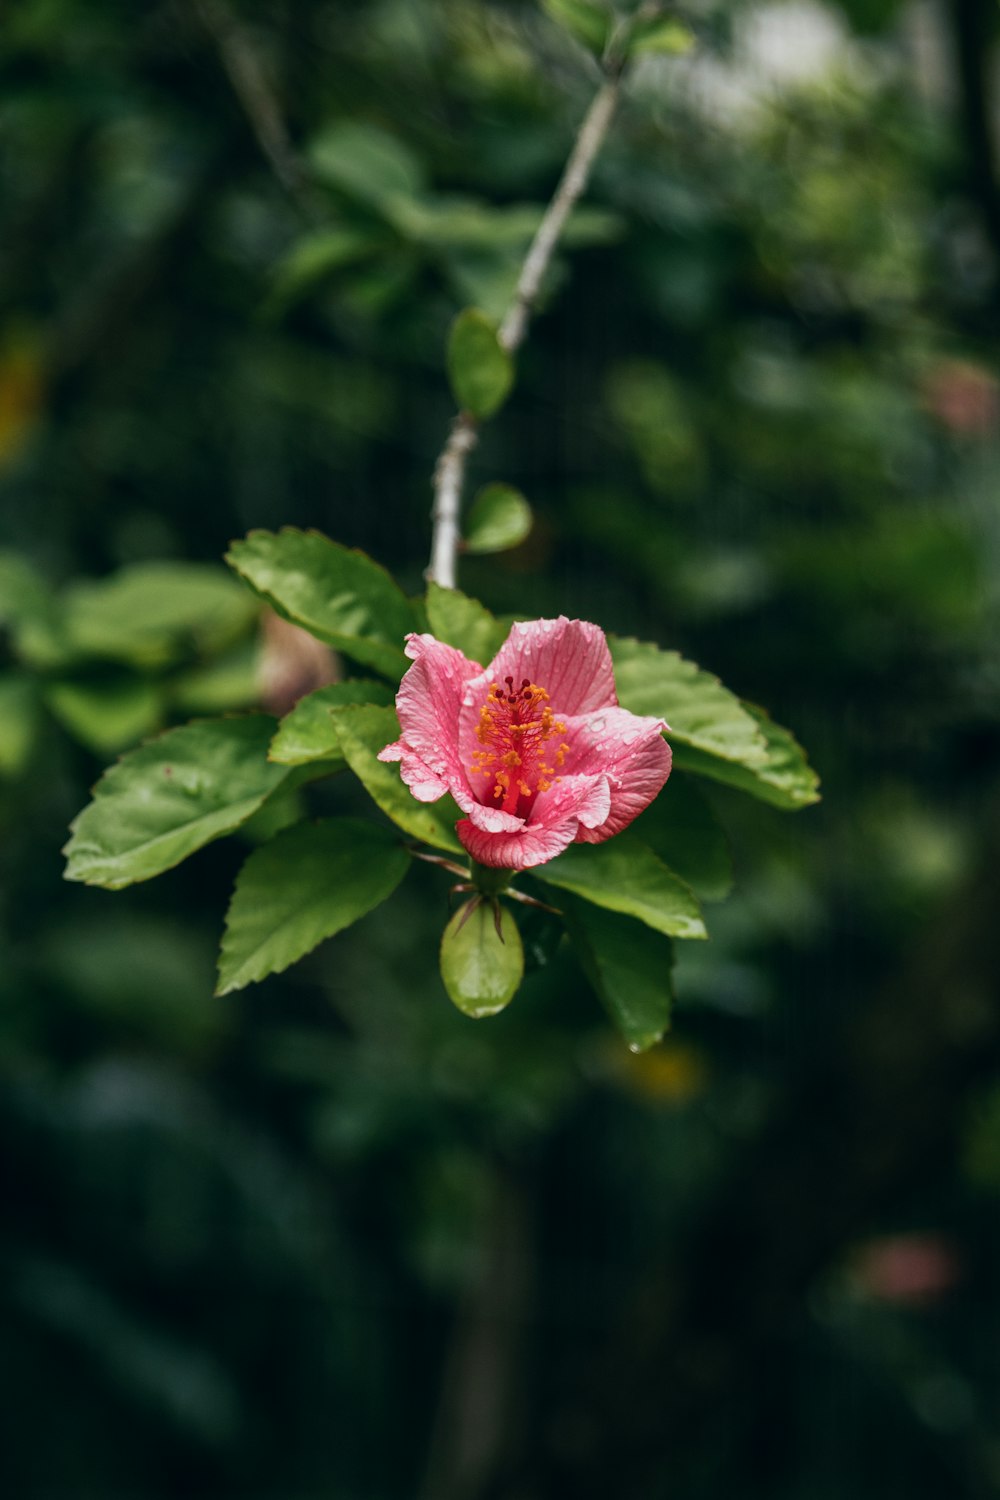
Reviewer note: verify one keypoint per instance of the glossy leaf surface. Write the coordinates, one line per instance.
(624, 875)
(629, 966)
(363, 732)
(309, 731)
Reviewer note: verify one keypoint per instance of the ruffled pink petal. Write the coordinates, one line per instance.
(493, 819)
(568, 658)
(555, 818)
(428, 704)
(631, 752)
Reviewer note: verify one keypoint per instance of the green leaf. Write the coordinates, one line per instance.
(499, 518)
(229, 682)
(785, 780)
(480, 370)
(107, 714)
(662, 36)
(629, 966)
(363, 732)
(309, 731)
(307, 884)
(625, 875)
(464, 623)
(23, 594)
(317, 256)
(587, 21)
(150, 614)
(481, 971)
(699, 710)
(680, 826)
(338, 595)
(365, 163)
(166, 799)
(19, 722)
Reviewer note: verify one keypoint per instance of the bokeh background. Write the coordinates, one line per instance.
(327, 1238)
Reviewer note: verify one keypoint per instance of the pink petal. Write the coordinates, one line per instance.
(631, 752)
(493, 819)
(428, 704)
(568, 658)
(424, 783)
(555, 819)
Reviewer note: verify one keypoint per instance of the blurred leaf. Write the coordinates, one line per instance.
(109, 713)
(363, 732)
(171, 796)
(340, 596)
(23, 593)
(464, 623)
(366, 163)
(309, 731)
(19, 722)
(680, 826)
(629, 966)
(480, 371)
(481, 971)
(499, 518)
(786, 779)
(150, 613)
(316, 256)
(661, 36)
(588, 22)
(698, 709)
(308, 883)
(221, 686)
(624, 875)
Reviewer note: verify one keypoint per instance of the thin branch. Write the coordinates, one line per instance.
(449, 471)
(252, 88)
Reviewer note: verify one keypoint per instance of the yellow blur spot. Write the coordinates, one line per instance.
(22, 392)
(672, 1073)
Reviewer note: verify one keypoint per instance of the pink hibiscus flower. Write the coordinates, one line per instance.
(535, 750)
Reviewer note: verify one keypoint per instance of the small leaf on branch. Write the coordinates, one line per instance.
(624, 875)
(363, 732)
(586, 20)
(481, 372)
(340, 596)
(309, 731)
(310, 882)
(629, 966)
(464, 623)
(481, 970)
(171, 796)
(499, 518)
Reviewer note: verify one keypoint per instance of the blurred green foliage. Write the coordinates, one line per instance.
(329, 1237)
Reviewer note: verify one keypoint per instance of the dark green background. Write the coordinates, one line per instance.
(327, 1238)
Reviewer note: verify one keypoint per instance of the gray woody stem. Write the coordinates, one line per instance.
(449, 472)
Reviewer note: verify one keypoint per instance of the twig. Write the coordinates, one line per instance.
(449, 471)
(253, 89)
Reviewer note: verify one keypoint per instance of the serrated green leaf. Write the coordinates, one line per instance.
(481, 972)
(107, 714)
(169, 797)
(499, 518)
(630, 967)
(481, 372)
(672, 38)
(366, 163)
(680, 826)
(19, 722)
(309, 731)
(588, 22)
(151, 614)
(700, 711)
(340, 596)
(363, 732)
(785, 780)
(464, 623)
(310, 882)
(624, 875)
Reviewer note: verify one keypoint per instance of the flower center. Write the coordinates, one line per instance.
(514, 729)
